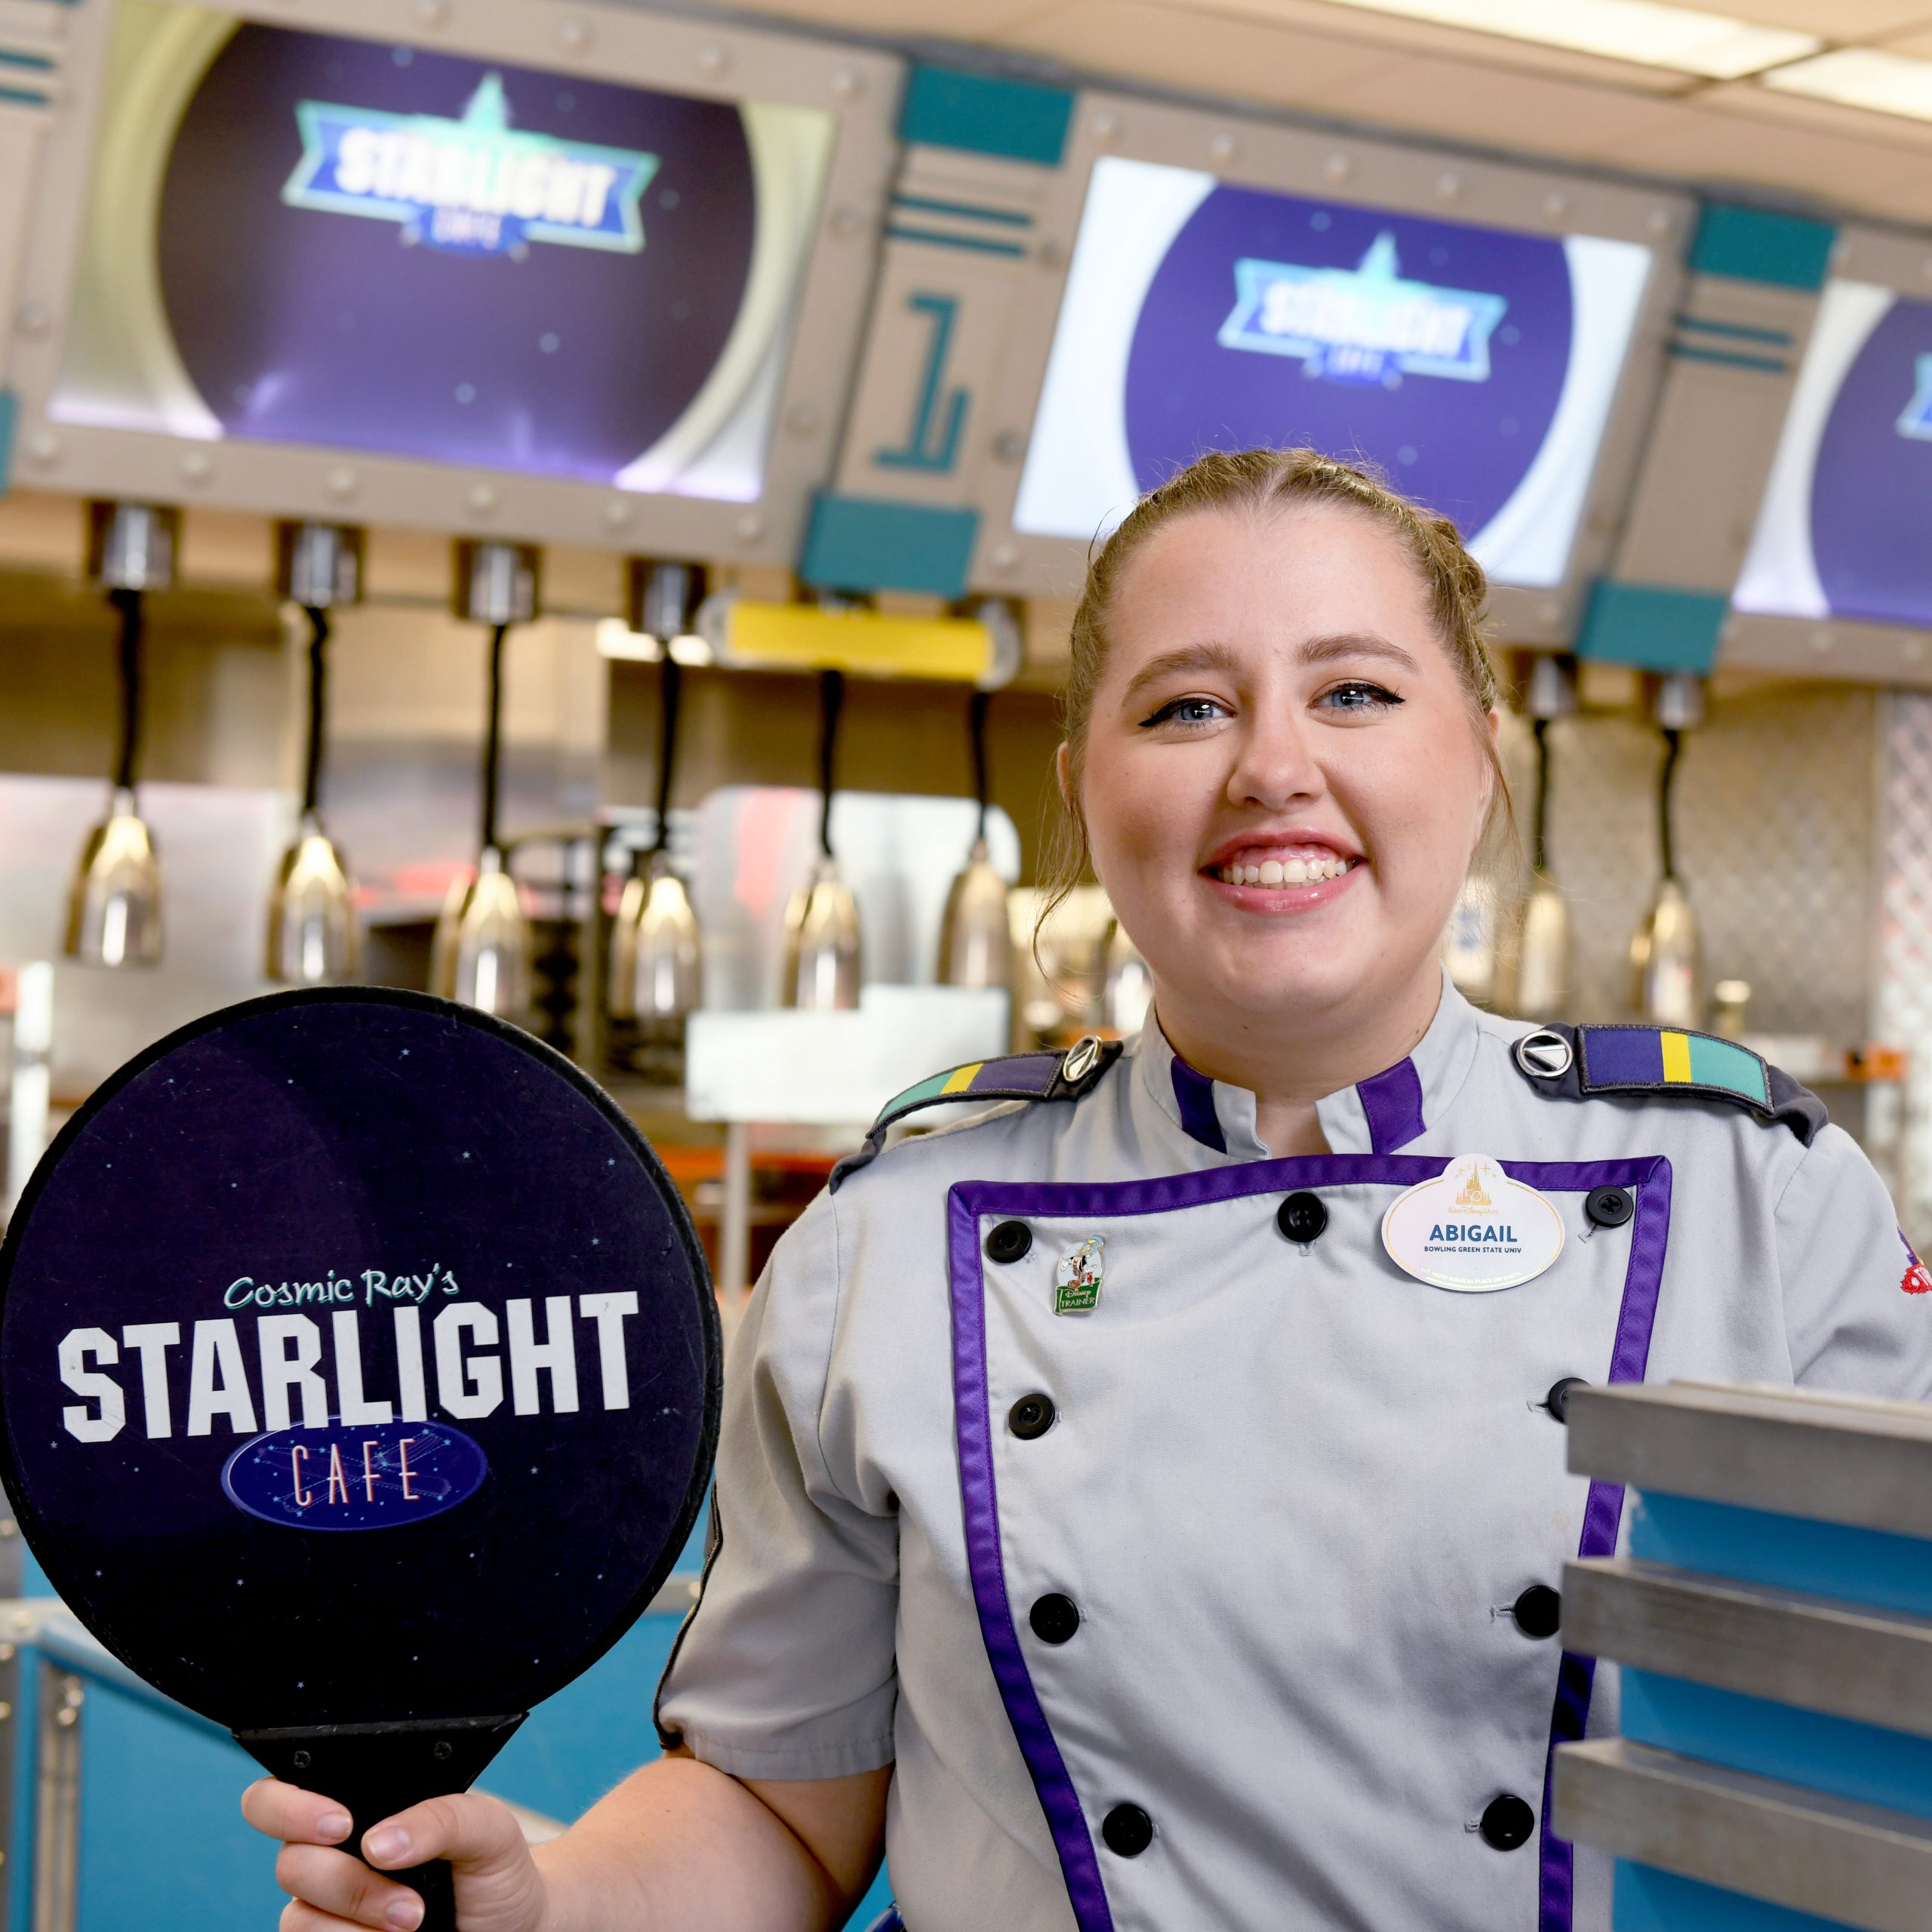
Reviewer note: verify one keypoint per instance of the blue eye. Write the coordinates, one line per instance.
(1187, 711)
(1358, 695)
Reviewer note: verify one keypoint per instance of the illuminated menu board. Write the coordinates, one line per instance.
(1477, 367)
(300, 238)
(1842, 531)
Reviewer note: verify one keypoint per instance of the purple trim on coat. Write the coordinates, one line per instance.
(1392, 1102)
(1194, 1094)
(1603, 1513)
(973, 1423)
(968, 1201)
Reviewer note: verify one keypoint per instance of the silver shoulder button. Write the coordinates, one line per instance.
(1080, 1059)
(1545, 1055)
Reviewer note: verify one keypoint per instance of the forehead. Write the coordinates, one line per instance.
(1273, 578)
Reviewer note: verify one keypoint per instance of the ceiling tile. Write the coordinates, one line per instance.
(1137, 40)
(1833, 20)
(1825, 117)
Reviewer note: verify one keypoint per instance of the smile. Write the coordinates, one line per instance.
(1285, 871)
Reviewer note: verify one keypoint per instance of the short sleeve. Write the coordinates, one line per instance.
(1857, 1311)
(785, 1669)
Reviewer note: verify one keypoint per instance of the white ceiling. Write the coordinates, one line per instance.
(1379, 70)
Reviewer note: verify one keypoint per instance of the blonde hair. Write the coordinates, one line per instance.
(1256, 480)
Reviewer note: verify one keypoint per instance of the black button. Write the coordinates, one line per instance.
(1507, 1822)
(1009, 1241)
(1054, 1618)
(1302, 1216)
(1128, 1830)
(1539, 1611)
(1609, 1207)
(1031, 1415)
(1557, 1401)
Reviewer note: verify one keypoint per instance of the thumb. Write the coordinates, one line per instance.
(498, 1888)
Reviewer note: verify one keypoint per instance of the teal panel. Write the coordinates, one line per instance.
(1648, 1900)
(1757, 244)
(946, 107)
(1788, 1552)
(1653, 626)
(1862, 1762)
(163, 1846)
(9, 410)
(860, 543)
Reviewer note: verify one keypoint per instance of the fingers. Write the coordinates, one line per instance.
(332, 1888)
(300, 1916)
(474, 1833)
(288, 1812)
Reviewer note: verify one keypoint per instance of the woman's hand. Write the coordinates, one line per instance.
(498, 1887)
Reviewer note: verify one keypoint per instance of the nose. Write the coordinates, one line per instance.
(1275, 768)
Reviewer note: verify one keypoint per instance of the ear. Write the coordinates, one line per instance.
(1063, 775)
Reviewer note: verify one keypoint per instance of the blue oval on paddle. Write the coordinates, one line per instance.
(364, 1476)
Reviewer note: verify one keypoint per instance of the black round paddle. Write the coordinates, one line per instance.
(360, 1376)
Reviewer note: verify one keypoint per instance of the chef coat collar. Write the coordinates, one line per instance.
(1390, 1110)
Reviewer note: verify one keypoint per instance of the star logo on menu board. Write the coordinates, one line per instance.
(476, 185)
(1369, 323)
(1915, 419)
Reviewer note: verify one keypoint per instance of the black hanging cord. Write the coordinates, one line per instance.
(831, 699)
(127, 757)
(1539, 822)
(492, 734)
(312, 768)
(976, 726)
(1673, 743)
(670, 688)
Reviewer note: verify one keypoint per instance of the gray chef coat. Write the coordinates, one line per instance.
(1290, 1492)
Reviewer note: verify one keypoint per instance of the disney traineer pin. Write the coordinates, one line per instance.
(1077, 1279)
(360, 1381)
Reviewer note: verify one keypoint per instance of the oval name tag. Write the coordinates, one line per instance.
(1473, 1228)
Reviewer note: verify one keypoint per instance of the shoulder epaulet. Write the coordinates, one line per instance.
(1574, 1062)
(1044, 1076)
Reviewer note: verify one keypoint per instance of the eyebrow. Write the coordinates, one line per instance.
(1222, 657)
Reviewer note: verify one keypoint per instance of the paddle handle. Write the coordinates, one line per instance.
(436, 1882)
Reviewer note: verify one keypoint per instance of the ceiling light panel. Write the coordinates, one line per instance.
(1685, 39)
(1865, 77)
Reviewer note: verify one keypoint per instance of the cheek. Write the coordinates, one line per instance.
(1420, 803)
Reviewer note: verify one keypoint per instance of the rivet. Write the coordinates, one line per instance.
(1104, 126)
(1050, 255)
(802, 418)
(1661, 221)
(1556, 206)
(617, 513)
(713, 58)
(1448, 185)
(1913, 650)
(300, 1759)
(342, 481)
(442, 1750)
(848, 84)
(1004, 556)
(482, 498)
(432, 13)
(750, 528)
(573, 36)
(195, 467)
(1337, 168)
(1823, 642)
(1224, 148)
(846, 222)
(1009, 446)
(35, 318)
(44, 446)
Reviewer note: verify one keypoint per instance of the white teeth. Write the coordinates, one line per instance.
(1285, 871)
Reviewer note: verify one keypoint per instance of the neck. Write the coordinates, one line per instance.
(1290, 1061)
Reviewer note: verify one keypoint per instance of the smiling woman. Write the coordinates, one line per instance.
(1142, 1505)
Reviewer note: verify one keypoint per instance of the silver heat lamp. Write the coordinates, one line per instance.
(1666, 955)
(481, 953)
(114, 903)
(975, 936)
(654, 978)
(822, 956)
(314, 938)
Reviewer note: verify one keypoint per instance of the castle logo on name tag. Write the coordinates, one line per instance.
(1473, 1228)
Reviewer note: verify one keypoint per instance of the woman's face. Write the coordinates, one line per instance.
(1282, 786)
